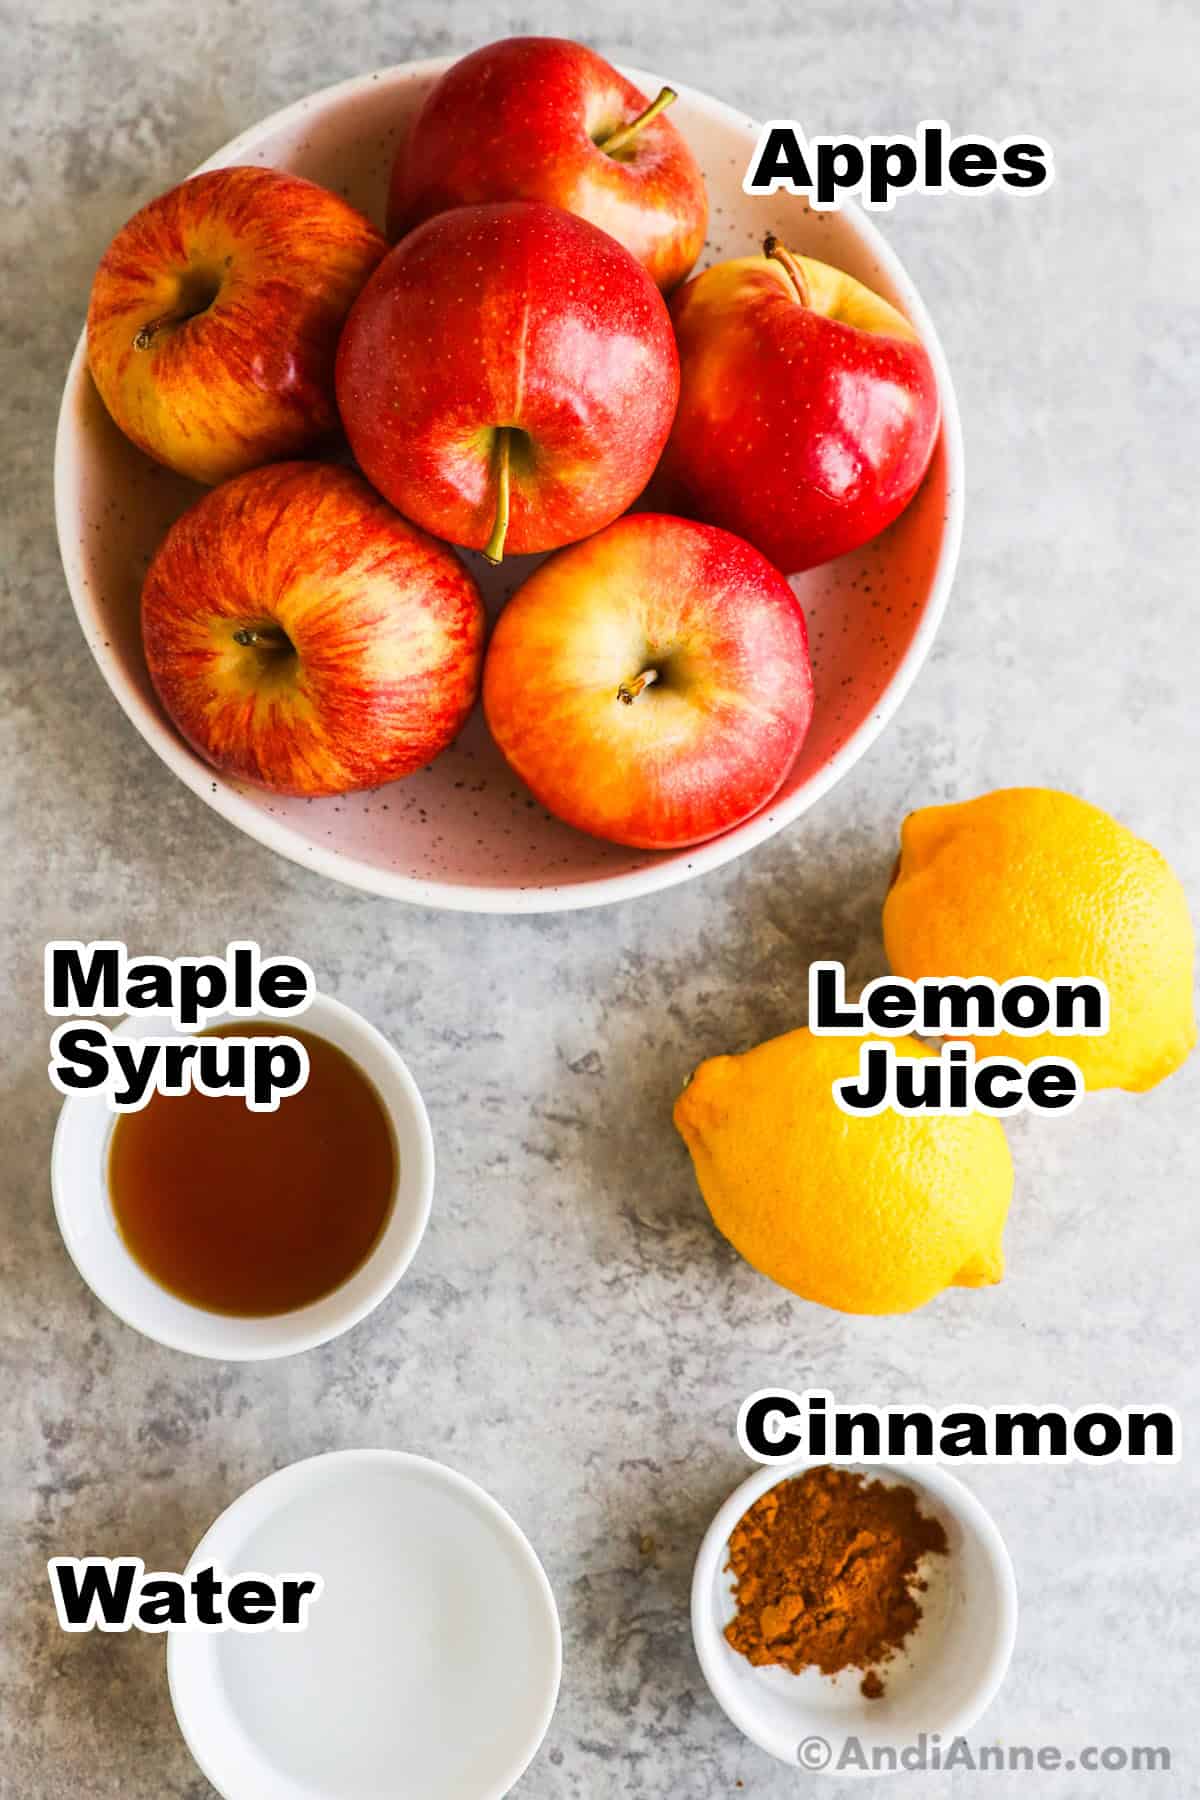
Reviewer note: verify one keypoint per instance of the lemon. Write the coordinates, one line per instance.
(1032, 882)
(868, 1215)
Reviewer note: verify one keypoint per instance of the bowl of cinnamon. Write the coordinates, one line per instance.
(843, 1613)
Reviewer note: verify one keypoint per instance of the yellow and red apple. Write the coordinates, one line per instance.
(215, 315)
(508, 377)
(808, 407)
(540, 118)
(302, 635)
(652, 684)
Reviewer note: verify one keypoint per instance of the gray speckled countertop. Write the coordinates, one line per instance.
(573, 1333)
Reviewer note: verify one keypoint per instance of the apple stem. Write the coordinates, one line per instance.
(494, 548)
(149, 331)
(782, 255)
(628, 691)
(262, 637)
(625, 134)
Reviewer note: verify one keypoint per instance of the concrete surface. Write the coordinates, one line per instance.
(573, 1333)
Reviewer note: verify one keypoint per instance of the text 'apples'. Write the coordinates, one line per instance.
(302, 635)
(540, 118)
(508, 377)
(215, 315)
(651, 685)
(808, 408)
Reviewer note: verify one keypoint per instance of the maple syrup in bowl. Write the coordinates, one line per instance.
(245, 1235)
(255, 1213)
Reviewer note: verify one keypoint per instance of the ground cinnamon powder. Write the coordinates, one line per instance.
(826, 1573)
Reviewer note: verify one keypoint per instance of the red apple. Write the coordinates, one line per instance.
(808, 407)
(303, 636)
(215, 315)
(508, 377)
(539, 118)
(651, 685)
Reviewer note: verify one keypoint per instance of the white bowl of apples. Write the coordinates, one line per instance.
(621, 747)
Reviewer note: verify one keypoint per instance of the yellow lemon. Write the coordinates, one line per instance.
(1032, 882)
(868, 1215)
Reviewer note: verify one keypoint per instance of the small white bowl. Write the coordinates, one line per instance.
(465, 834)
(82, 1205)
(942, 1680)
(430, 1663)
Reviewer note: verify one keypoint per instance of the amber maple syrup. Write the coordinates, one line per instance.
(257, 1213)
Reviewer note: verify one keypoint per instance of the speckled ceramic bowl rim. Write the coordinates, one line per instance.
(600, 890)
